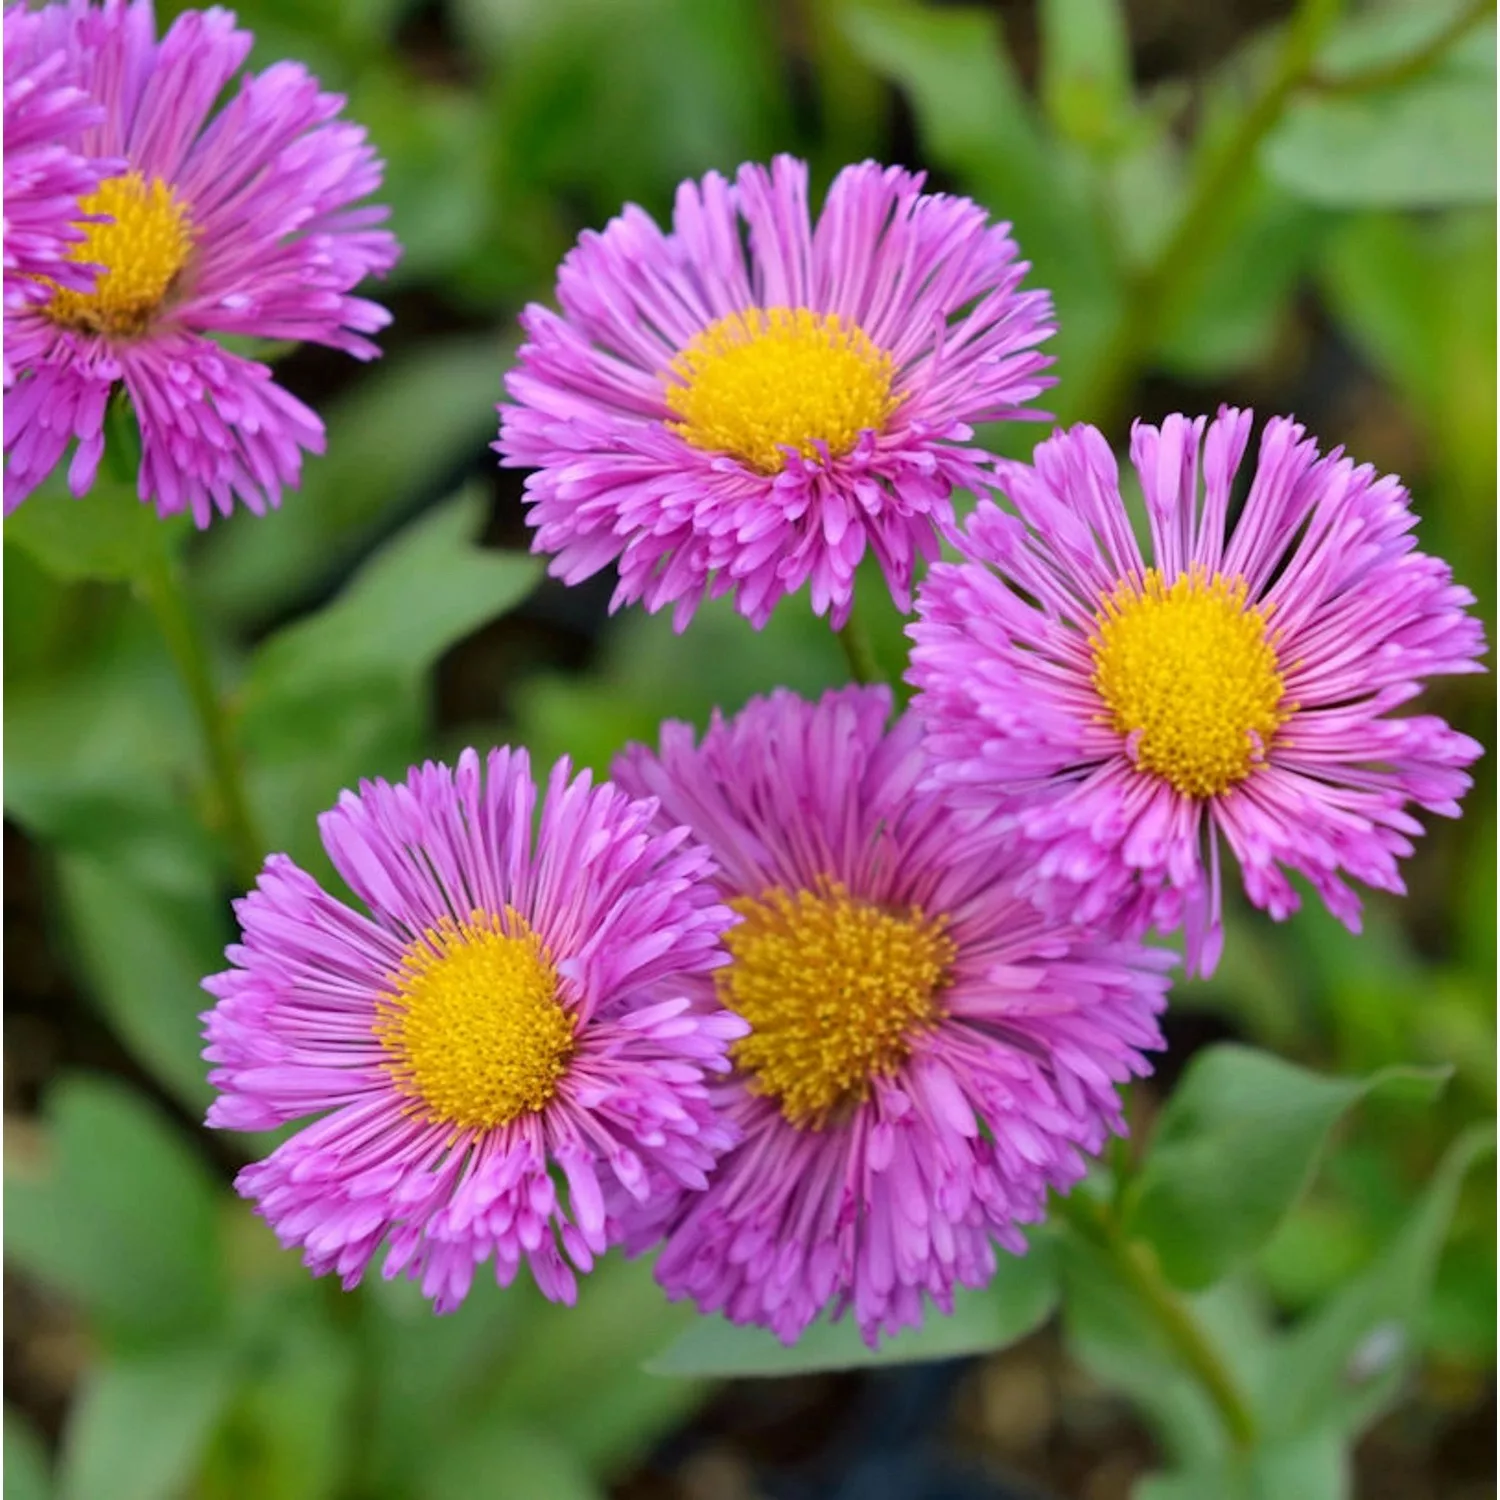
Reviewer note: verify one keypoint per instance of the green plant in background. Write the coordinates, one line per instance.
(1256, 1274)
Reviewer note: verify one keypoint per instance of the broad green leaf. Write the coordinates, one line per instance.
(111, 728)
(575, 1373)
(122, 1217)
(1018, 1301)
(400, 435)
(420, 593)
(139, 1425)
(1344, 1363)
(144, 947)
(1314, 1467)
(27, 1476)
(504, 1460)
(1429, 143)
(1232, 1151)
(107, 534)
(1085, 83)
(291, 1428)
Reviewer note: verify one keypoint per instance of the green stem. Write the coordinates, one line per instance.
(860, 651)
(1162, 285)
(1403, 69)
(161, 584)
(1171, 1314)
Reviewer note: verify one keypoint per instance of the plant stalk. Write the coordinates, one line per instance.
(160, 582)
(1171, 1314)
(860, 650)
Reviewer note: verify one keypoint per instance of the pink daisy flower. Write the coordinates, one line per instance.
(239, 224)
(1126, 714)
(513, 1013)
(928, 1053)
(45, 172)
(750, 402)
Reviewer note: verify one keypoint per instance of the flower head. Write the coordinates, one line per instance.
(1125, 713)
(46, 173)
(750, 402)
(928, 1052)
(510, 1009)
(240, 224)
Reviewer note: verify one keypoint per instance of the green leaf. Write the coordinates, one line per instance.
(144, 948)
(107, 534)
(426, 589)
(1427, 143)
(139, 1426)
(1019, 1300)
(1314, 1467)
(1233, 1149)
(1085, 83)
(27, 1476)
(290, 1430)
(1343, 1364)
(575, 1373)
(399, 432)
(506, 1461)
(124, 1219)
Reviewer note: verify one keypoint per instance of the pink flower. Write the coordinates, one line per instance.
(927, 1052)
(750, 402)
(517, 1010)
(1125, 716)
(240, 224)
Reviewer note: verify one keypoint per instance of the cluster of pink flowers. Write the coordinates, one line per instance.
(822, 1003)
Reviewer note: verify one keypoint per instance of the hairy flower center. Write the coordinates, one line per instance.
(833, 989)
(759, 382)
(473, 1031)
(142, 246)
(1191, 673)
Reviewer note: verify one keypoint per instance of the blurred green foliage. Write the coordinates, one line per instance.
(1327, 187)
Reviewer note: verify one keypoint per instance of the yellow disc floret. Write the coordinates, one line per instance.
(833, 988)
(759, 382)
(1189, 670)
(142, 245)
(473, 1030)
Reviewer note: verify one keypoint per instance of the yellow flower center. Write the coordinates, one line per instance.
(759, 382)
(833, 988)
(1191, 670)
(474, 1033)
(142, 247)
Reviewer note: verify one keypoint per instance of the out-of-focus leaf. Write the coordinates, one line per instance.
(123, 1219)
(144, 948)
(26, 1473)
(405, 431)
(111, 726)
(139, 1425)
(1233, 1149)
(506, 1461)
(1344, 1363)
(1232, 312)
(1085, 84)
(422, 592)
(290, 1428)
(976, 121)
(1017, 1301)
(1114, 1336)
(36, 613)
(1314, 1467)
(1425, 143)
(107, 534)
(576, 1373)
